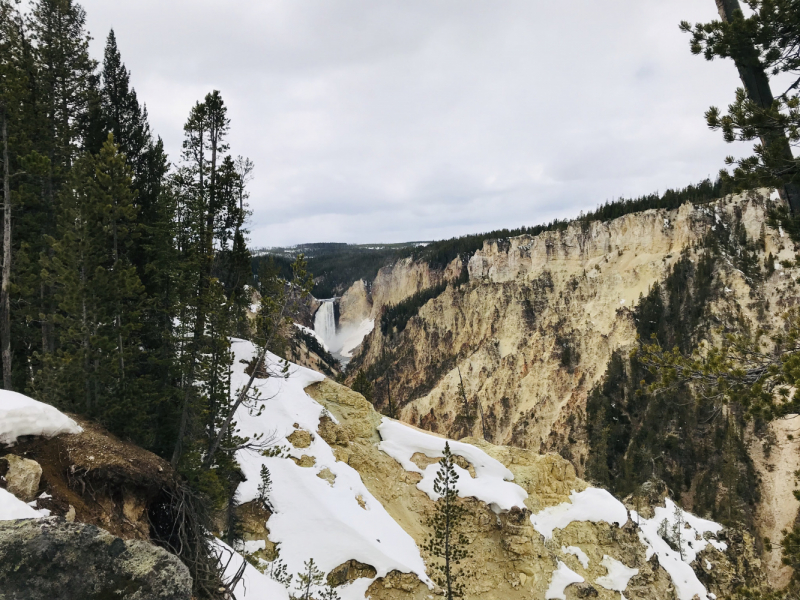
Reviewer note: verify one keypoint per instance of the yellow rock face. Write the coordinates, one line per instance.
(509, 559)
(533, 330)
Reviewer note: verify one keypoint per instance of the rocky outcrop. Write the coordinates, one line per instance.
(22, 477)
(50, 558)
(355, 305)
(393, 284)
(510, 559)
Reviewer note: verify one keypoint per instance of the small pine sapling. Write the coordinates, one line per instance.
(309, 577)
(277, 569)
(264, 489)
(677, 530)
(447, 542)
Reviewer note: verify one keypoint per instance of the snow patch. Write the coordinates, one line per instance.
(693, 542)
(253, 585)
(562, 577)
(314, 334)
(314, 518)
(492, 482)
(20, 415)
(12, 508)
(618, 575)
(592, 504)
(584, 560)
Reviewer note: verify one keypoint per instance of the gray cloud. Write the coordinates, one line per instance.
(399, 120)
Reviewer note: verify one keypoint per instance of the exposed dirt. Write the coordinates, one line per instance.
(109, 482)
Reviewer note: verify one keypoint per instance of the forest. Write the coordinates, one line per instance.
(126, 272)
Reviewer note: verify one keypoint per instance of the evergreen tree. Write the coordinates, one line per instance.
(447, 542)
(61, 83)
(309, 578)
(330, 593)
(264, 488)
(363, 385)
(12, 99)
(121, 111)
(98, 296)
(761, 45)
(199, 210)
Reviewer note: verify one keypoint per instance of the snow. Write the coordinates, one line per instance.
(12, 508)
(253, 585)
(680, 569)
(618, 574)
(20, 415)
(492, 483)
(562, 577)
(584, 560)
(314, 334)
(313, 518)
(592, 504)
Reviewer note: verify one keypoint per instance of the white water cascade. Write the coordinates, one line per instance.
(325, 323)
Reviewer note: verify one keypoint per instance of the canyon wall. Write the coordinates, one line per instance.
(533, 330)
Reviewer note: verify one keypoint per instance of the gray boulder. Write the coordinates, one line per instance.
(50, 559)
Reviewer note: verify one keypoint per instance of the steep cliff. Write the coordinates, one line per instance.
(533, 330)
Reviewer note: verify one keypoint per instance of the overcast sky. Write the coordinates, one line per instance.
(397, 120)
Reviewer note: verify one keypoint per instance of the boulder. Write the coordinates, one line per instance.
(22, 477)
(51, 558)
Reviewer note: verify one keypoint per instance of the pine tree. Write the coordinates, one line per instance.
(447, 542)
(199, 210)
(277, 569)
(308, 578)
(98, 296)
(363, 385)
(12, 98)
(330, 593)
(761, 45)
(264, 488)
(121, 110)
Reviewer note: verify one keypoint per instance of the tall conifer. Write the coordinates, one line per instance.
(447, 541)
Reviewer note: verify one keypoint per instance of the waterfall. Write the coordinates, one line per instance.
(325, 323)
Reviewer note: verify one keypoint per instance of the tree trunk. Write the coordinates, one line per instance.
(5, 303)
(447, 543)
(756, 84)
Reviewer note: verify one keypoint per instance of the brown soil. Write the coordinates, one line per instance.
(109, 482)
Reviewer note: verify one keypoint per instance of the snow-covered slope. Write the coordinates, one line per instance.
(315, 518)
(325, 511)
(492, 482)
